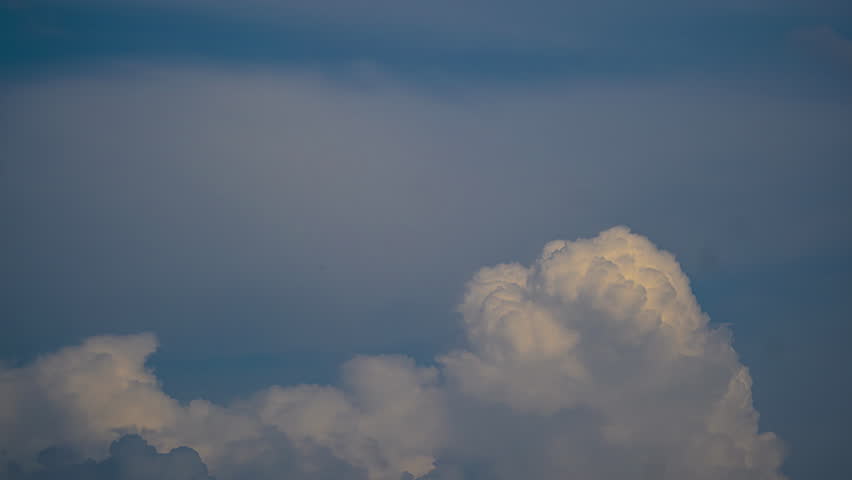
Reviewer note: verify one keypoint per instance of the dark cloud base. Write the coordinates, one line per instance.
(131, 458)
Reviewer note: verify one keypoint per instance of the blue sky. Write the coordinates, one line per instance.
(274, 188)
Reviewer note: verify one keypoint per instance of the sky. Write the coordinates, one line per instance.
(440, 240)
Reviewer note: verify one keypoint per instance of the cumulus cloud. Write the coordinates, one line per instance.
(83, 396)
(601, 344)
(594, 362)
(86, 396)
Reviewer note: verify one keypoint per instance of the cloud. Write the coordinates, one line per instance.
(82, 396)
(192, 195)
(497, 24)
(595, 361)
(86, 396)
(130, 458)
(612, 368)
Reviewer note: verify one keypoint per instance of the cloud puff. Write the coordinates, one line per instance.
(595, 362)
(83, 396)
(602, 344)
(574, 325)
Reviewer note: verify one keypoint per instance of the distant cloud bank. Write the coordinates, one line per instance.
(594, 362)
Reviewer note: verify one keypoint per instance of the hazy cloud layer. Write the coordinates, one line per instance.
(578, 25)
(594, 361)
(155, 198)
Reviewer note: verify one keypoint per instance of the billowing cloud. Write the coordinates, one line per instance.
(83, 396)
(602, 345)
(86, 396)
(594, 362)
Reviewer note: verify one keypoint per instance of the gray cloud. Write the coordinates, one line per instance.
(130, 458)
(151, 198)
(594, 361)
(578, 25)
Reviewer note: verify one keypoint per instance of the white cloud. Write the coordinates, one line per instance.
(386, 420)
(609, 327)
(595, 361)
(83, 396)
